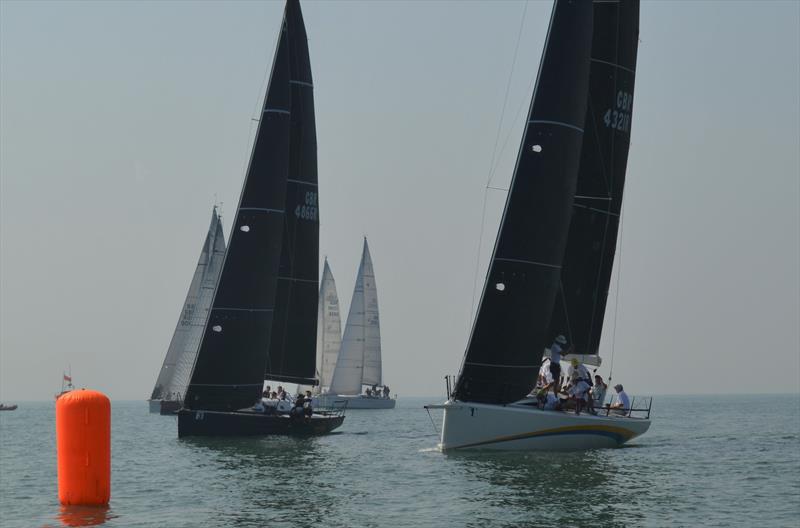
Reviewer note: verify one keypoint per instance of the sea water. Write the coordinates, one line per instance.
(707, 460)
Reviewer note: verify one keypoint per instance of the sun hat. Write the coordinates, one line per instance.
(574, 362)
(561, 340)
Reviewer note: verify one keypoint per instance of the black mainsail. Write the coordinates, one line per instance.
(589, 257)
(294, 324)
(236, 347)
(511, 326)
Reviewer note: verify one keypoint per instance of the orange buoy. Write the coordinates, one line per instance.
(83, 445)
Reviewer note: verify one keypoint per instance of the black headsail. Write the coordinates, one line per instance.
(292, 349)
(511, 327)
(589, 257)
(231, 361)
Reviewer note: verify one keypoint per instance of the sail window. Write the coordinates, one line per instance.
(217, 328)
(536, 148)
(500, 286)
(245, 228)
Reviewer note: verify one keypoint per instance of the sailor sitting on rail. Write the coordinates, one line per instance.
(580, 381)
(623, 403)
(598, 392)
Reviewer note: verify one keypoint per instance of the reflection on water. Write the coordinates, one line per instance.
(84, 515)
(278, 471)
(563, 488)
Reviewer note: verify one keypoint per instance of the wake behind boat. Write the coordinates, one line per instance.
(262, 323)
(551, 265)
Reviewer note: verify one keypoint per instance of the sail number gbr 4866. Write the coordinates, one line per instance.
(619, 118)
(308, 210)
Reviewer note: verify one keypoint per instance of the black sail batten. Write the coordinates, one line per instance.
(511, 325)
(293, 341)
(589, 256)
(228, 371)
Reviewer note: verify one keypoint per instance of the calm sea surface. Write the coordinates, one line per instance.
(707, 460)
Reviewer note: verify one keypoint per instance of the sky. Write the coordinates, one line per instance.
(121, 124)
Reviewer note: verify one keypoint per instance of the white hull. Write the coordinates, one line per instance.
(522, 427)
(328, 400)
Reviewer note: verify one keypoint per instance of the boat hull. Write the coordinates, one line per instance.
(8, 407)
(164, 407)
(331, 401)
(521, 427)
(242, 423)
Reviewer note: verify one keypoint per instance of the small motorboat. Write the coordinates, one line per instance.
(4, 407)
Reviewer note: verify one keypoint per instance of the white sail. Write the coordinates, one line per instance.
(177, 367)
(359, 358)
(372, 325)
(329, 328)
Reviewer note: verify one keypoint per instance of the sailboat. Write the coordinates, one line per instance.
(359, 360)
(553, 256)
(174, 374)
(66, 383)
(262, 323)
(329, 329)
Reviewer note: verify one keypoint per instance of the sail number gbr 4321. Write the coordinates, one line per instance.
(619, 118)
(308, 210)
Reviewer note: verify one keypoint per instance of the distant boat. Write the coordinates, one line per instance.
(177, 367)
(359, 360)
(329, 329)
(66, 383)
(552, 261)
(263, 319)
(4, 407)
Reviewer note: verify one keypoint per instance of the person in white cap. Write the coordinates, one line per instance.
(623, 403)
(555, 362)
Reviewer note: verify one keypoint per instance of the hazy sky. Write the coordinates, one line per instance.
(121, 122)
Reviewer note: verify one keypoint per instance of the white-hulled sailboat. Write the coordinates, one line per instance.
(177, 367)
(359, 360)
(553, 257)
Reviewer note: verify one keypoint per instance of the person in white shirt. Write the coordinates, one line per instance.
(623, 403)
(599, 391)
(579, 379)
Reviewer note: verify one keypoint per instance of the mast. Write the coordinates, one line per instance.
(589, 257)
(511, 326)
(232, 358)
(174, 374)
(329, 327)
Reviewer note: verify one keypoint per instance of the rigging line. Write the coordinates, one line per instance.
(505, 98)
(622, 205)
(432, 422)
(616, 296)
(492, 164)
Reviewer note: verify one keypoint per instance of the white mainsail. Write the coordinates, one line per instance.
(174, 376)
(329, 328)
(359, 360)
